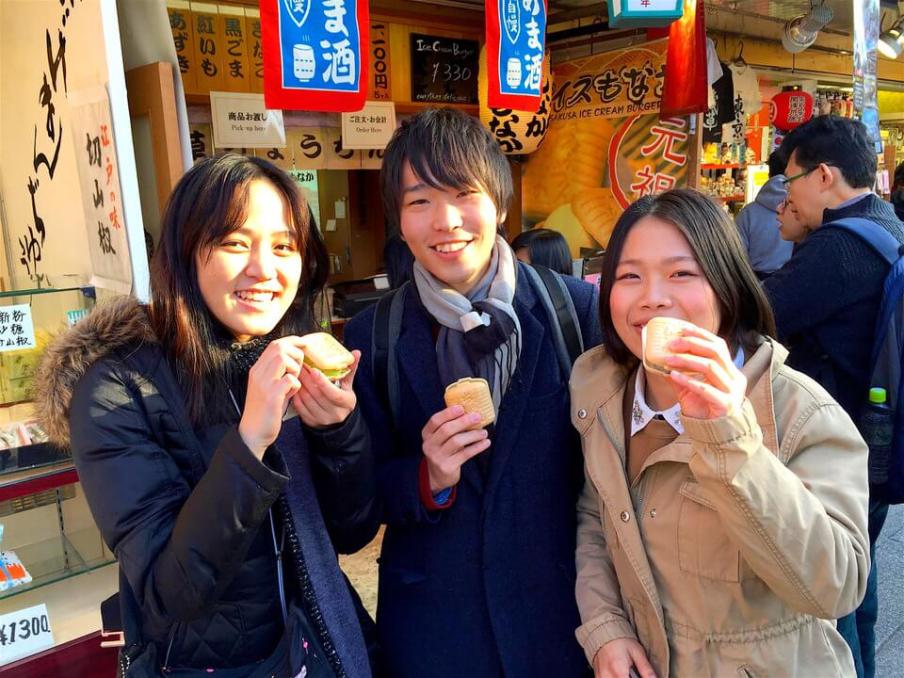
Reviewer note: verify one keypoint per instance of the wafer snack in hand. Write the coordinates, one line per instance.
(655, 338)
(474, 396)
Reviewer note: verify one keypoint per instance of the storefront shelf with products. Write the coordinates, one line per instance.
(720, 166)
(61, 557)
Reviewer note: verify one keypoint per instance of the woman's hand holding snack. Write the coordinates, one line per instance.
(272, 382)
(706, 381)
(616, 658)
(320, 402)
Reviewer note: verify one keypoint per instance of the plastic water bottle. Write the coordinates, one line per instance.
(878, 426)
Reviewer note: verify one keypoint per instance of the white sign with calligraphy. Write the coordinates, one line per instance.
(95, 146)
(17, 329)
(243, 121)
(371, 127)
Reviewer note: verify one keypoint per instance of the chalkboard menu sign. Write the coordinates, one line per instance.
(443, 70)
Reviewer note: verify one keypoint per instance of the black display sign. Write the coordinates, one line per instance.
(444, 70)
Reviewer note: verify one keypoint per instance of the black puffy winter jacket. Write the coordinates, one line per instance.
(186, 511)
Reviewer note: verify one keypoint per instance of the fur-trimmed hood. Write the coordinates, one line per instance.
(110, 326)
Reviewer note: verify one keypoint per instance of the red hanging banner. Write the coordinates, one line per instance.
(516, 39)
(685, 87)
(315, 54)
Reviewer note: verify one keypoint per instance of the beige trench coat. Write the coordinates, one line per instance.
(739, 543)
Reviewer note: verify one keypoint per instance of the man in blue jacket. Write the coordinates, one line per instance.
(758, 222)
(826, 298)
(477, 570)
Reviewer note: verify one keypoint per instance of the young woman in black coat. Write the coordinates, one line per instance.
(222, 473)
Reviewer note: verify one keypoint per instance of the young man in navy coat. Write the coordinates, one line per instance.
(477, 570)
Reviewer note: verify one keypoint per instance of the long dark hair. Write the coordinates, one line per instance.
(714, 240)
(209, 202)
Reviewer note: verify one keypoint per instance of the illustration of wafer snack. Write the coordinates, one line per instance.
(474, 396)
(597, 210)
(572, 159)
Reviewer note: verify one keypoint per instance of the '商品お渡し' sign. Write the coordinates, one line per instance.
(315, 54)
(516, 38)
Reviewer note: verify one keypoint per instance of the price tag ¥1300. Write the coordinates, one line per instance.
(24, 632)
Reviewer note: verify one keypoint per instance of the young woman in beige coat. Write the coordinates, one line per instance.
(722, 527)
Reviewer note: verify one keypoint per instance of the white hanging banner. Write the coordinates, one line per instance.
(92, 132)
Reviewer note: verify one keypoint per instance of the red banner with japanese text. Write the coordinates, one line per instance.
(315, 54)
(605, 146)
(515, 44)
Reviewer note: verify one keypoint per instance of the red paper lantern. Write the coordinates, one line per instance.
(788, 110)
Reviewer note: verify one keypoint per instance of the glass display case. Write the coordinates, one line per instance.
(51, 552)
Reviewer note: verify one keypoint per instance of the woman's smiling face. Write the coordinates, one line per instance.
(658, 275)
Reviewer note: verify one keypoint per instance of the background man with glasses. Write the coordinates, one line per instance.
(827, 296)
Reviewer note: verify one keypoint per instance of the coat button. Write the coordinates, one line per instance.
(652, 513)
(625, 516)
(582, 414)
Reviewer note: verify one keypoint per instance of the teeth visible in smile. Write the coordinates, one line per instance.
(248, 295)
(449, 247)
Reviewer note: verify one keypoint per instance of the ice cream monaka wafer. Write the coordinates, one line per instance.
(474, 396)
(655, 338)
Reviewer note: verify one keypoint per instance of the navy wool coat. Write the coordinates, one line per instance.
(485, 588)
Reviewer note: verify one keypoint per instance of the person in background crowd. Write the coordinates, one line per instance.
(477, 567)
(398, 260)
(827, 296)
(758, 222)
(789, 228)
(897, 191)
(545, 247)
(222, 511)
(722, 526)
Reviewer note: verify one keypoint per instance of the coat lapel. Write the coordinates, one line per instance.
(419, 366)
(511, 410)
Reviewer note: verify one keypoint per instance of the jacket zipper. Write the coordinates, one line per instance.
(309, 598)
(169, 647)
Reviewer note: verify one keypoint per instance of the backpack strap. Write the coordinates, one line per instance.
(386, 328)
(563, 318)
(881, 241)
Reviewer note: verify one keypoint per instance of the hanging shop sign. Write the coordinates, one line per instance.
(209, 46)
(610, 85)
(788, 110)
(315, 54)
(443, 70)
(371, 127)
(183, 38)
(101, 195)
(867, 18)
(236, 66)
(598, 158)
(243, 121)
(379, 88)
(643, 13)
(516, 131)
(516, 38)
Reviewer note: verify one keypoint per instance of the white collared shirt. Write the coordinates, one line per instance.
(642, 414)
